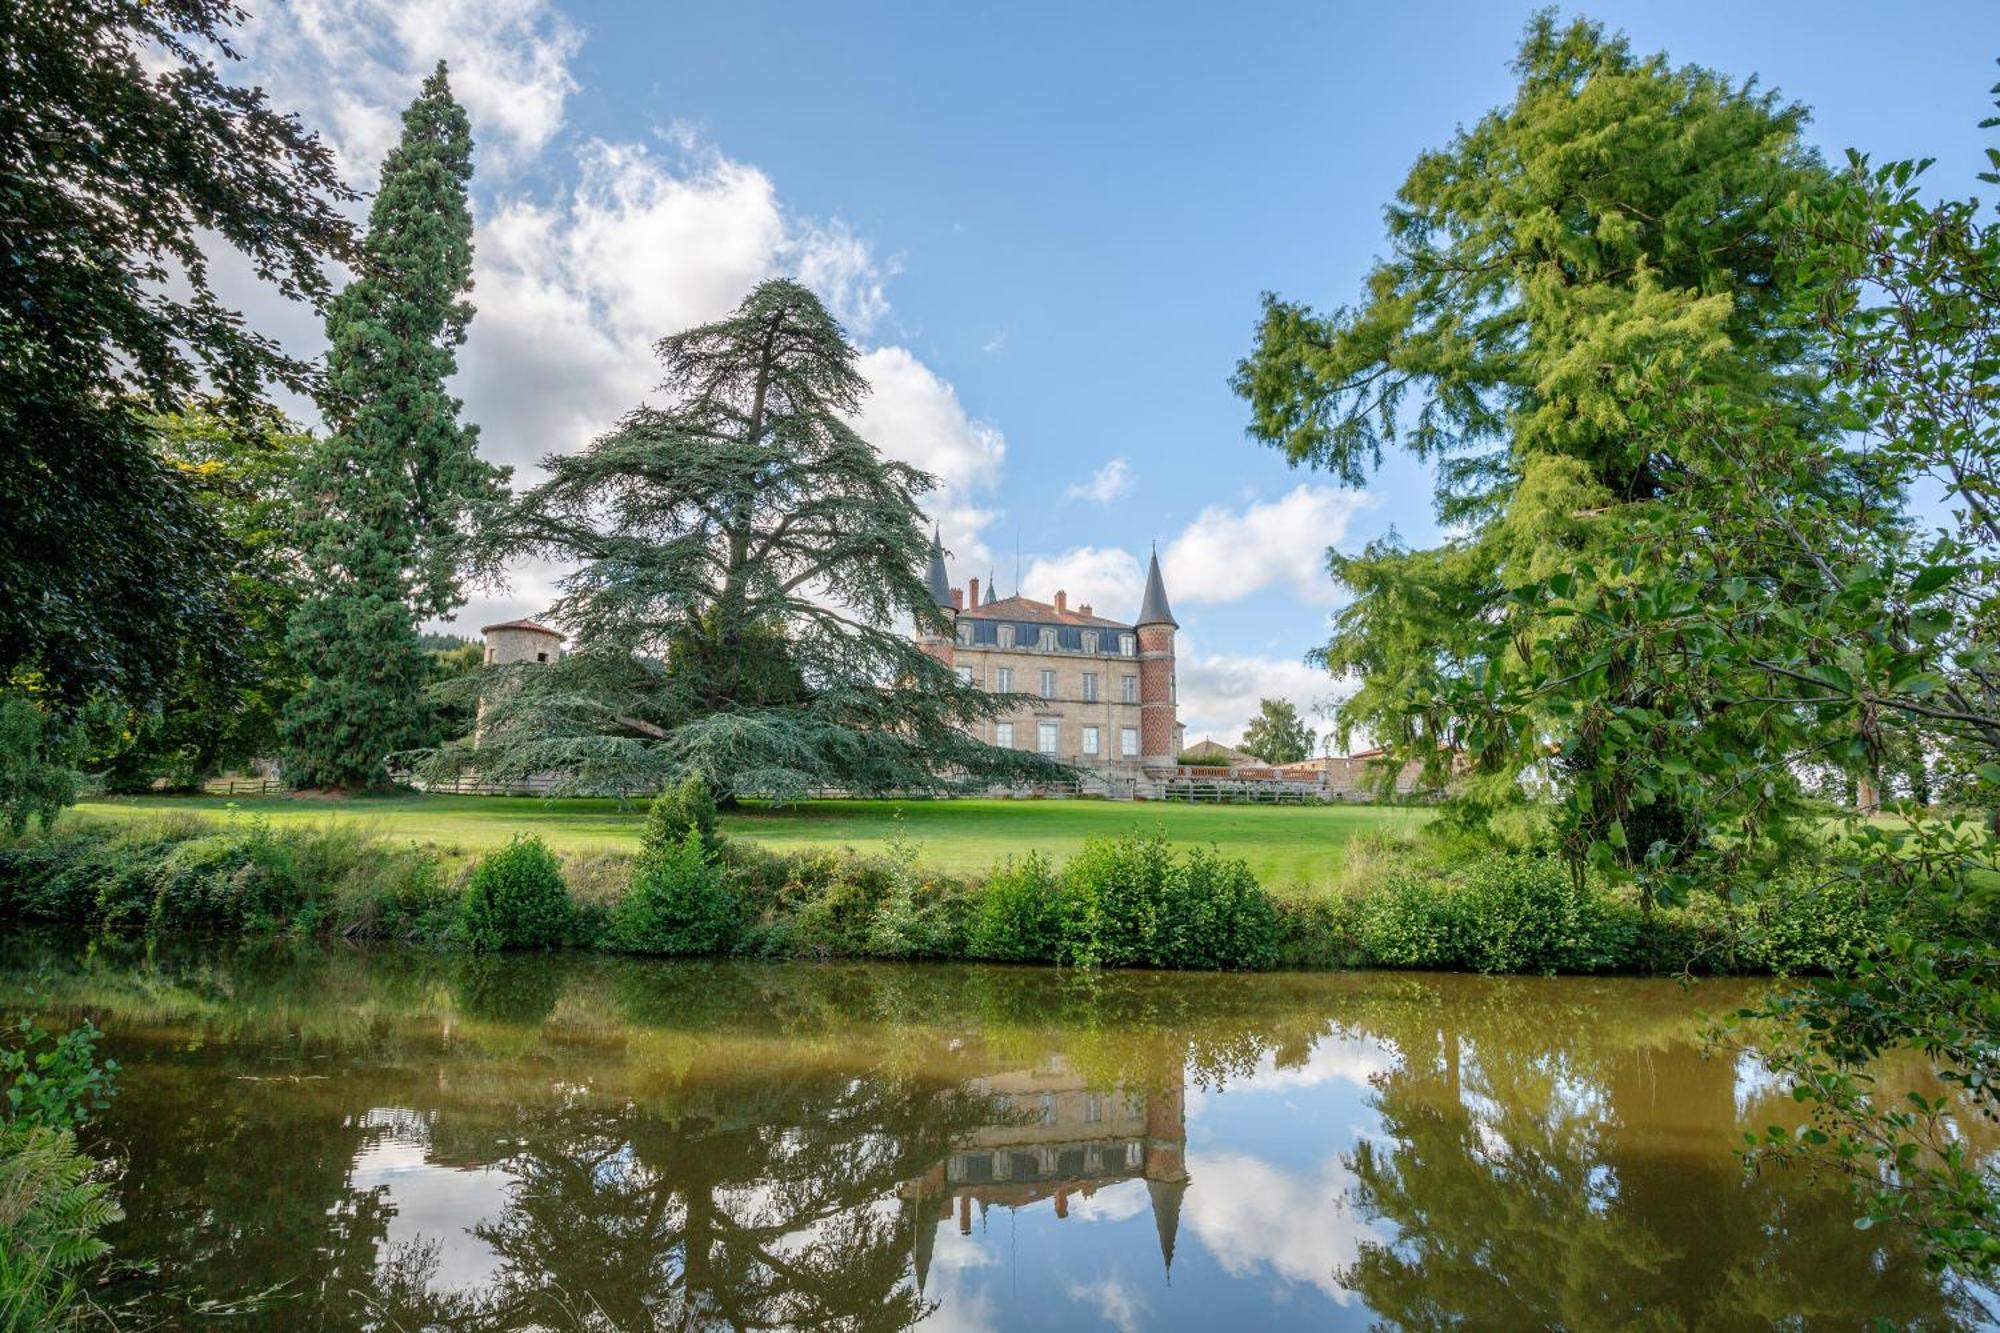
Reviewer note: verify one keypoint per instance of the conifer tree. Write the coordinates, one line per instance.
(746, 571)
(1610, 233)
(392, 499)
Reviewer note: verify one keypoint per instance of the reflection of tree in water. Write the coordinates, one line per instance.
(760, 1213)
(742, 1146)
(1540, 1169)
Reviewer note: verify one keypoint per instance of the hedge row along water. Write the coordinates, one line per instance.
(1134, 901)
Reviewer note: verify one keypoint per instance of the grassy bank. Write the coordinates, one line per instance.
(1286, 847)
(1133, 900)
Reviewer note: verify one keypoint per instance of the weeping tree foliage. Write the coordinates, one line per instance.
(1610, 229)
(746, 573)
(391, 501)
(123, 154)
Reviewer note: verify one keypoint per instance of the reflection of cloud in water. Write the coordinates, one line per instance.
(1121, 1307)
(961, 1306)
(1344, 1059)
(1252, 1216)
(437, 1204)
(1112, 1203)
(957, 1252)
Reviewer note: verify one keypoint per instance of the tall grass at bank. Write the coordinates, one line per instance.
(1130, 901)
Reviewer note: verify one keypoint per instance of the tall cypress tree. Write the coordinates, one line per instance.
(392, 498)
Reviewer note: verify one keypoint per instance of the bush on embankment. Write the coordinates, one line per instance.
(1134, 901)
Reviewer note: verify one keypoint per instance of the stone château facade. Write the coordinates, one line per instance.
(1094, 692)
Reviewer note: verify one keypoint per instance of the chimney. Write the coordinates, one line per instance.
(1062, 600)
(958, 599)
(974, 585)
(1085, 610)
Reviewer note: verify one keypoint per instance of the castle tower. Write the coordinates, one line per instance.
(1157, 703)
(510, 643)
(513, 641)
(939, 584)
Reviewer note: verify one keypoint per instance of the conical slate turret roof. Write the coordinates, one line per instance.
(939, 584)
(1165, 1196)
(1153, 610)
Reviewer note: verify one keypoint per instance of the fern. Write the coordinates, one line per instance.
(53, 1203)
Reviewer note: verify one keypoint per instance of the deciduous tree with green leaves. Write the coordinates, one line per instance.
(392, 500)
(1277, 735)
(1826, 632)
(747, 571)
(1610, 229)
(242, 473)
(123, 152)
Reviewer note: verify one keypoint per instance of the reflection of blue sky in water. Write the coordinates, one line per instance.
(436, 1204)
(1264, 1217)
(403, 1142)
(1264, 1225)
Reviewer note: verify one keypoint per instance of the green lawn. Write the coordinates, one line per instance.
(1285, 845)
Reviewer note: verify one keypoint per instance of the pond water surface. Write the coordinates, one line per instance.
(344, 1140)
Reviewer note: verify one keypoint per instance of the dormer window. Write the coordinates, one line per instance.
(1128, 644)
(1090, 641)
(965, 632)
(1047, 641)
(1006, 636)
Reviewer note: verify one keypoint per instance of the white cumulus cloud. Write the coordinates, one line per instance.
(1219, 693)
(913, 414)
(1226, 554)
(349, 67)
(1106, 484)
(1108, 578)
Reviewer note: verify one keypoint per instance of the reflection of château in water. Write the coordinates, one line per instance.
(1055, 1137)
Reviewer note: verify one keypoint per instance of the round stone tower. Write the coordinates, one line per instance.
(1157, 704)
(521, 641)
(509, 643)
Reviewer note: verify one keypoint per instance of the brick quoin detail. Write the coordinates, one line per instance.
(1156, 691)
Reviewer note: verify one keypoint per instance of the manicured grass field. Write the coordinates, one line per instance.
(1286, 845)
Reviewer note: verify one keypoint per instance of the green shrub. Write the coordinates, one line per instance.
(52, 1079)
(1530, 914)
(1111, 893)
(678, 903)
(1316, 932)
(1410, 919)
(918, 915)
(826, 908)
(1127, 902)
(1812, 923)
(691, 805)
(1016, 918)
(516, 899)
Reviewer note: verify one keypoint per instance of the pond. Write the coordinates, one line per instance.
(342, 1139)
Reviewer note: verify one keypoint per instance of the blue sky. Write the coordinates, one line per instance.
(1048, 226)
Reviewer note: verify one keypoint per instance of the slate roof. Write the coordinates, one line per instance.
(940, 586)
(1029, 611)
(1153, 610)
(533, 626)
